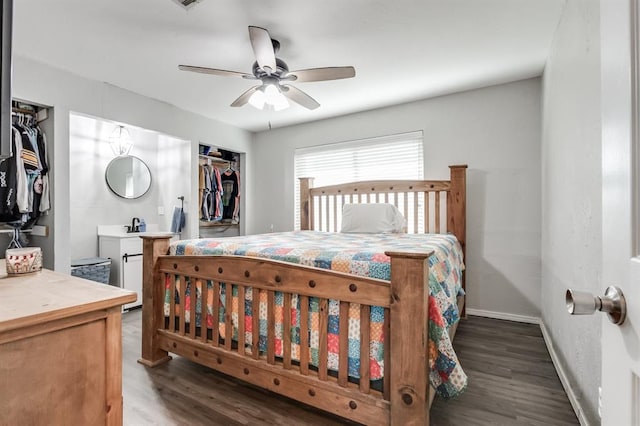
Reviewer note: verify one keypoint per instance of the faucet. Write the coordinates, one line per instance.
(134, 227)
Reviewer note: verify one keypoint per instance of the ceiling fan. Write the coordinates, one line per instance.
(274, 92)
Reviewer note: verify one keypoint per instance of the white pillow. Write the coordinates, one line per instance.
(371, 218)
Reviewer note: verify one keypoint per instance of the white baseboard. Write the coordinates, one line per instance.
(573, 399)
(503, 316)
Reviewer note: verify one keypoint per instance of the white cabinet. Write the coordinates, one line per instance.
(126, 263)
(125, 251)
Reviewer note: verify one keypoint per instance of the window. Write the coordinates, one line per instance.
(387, 157)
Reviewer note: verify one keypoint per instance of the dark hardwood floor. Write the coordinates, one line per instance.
(511, 382)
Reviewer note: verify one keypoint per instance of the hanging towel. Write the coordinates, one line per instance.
(177, 221)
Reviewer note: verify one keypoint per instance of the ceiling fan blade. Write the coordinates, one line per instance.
(213, 71)
(263, 49)
(321, 74)
(299, 97)
(244, 98)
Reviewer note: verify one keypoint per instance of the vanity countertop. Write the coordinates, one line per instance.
(120, 231)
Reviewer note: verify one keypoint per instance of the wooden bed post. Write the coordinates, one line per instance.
(152, 300)
(306, 184)
(409, 378)
(456, 214)
(456, 203)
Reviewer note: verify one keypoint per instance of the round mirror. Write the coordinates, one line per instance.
(128, 177)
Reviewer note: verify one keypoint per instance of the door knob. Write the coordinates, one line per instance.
(585, 303)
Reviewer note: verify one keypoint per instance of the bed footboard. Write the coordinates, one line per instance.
(203, 336)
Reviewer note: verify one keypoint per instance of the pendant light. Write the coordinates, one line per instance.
(120, 141)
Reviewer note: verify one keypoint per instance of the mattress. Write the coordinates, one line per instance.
(358, 254)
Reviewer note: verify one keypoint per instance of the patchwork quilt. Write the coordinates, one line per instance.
(358, 254)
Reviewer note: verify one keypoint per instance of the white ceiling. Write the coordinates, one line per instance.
(402, 50)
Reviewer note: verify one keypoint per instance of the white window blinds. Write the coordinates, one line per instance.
(387, 157)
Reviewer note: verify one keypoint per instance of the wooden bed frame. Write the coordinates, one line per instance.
(404, 397)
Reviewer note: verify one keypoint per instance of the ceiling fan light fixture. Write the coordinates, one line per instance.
(258, 99)
(275, 98)
(270, 97)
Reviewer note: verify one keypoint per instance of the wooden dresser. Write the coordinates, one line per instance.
(60, 350)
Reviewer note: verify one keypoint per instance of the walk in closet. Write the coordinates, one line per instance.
(219, 192)
(26, 182)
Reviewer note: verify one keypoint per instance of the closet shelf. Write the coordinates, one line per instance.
(205, 224)
(217, 160)
(24, 111)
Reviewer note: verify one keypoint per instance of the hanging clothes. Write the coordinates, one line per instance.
(45, 201)
(205, 212)
(24, 177)
(231, 196)
(201, 190)
(219, 190)
(210, 192)
(9, 167)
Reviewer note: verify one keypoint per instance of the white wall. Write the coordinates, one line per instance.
(173, 165)
(92, 203)
(571, 196)
(67, 92)
(495, 130)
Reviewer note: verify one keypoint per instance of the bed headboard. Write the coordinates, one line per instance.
(429, 206)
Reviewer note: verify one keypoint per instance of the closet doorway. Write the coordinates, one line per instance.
(220, 192)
